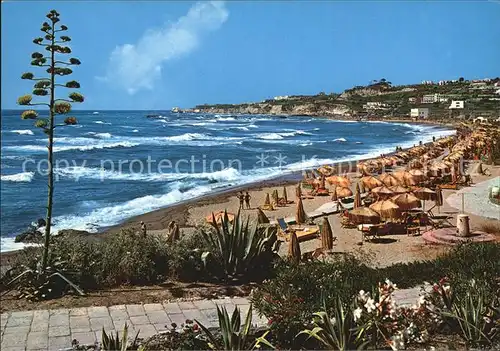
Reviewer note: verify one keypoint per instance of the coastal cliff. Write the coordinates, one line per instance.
(307, 109)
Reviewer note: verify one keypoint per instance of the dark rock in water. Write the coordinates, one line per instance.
(32, 235)
(72, 232)
(40, 222)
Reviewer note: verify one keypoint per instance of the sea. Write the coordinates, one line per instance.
(114, 165)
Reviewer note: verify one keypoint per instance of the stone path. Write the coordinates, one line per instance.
(55, 329)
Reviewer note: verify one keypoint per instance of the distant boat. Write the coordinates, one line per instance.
(95, 113)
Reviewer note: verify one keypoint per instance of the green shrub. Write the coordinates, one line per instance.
(185, 258)
(128, 258)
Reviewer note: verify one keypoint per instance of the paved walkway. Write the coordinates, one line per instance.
(55, 329)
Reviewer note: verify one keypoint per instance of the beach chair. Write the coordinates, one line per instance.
(303, 232)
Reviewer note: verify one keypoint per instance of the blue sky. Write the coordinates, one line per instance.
(160, 54)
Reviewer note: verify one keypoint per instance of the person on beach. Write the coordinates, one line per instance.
(241, 197)
(247, 200)
(143, 228)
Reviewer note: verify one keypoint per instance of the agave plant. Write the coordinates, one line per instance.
(36, 283)
(238, 248)
(338, 333)
(474, 316)
(112, 342)
(234, 336)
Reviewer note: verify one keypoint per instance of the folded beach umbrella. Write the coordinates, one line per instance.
(285, 197)
(322, 184)
(298, 191)
(267, 202)
(300, 214)
(261, 217)
(370, 182)
(406, 201)
(439, 197)
(294, 248)
(326, 235)
(275, 196)
(343, 192)
(334, 194)
(364, 215)
(386, 209)
(388, 179)
(357, 197)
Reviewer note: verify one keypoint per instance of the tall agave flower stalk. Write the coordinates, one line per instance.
(55, 45)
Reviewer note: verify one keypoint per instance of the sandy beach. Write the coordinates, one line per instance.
(394, 248)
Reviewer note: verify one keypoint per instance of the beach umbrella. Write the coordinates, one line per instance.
(371, 182)
(382, 191)
(261, 217)
(325, 170)
(338, 180)
(300, 214)
(334, 194)
(357, 197)
(294, 248)
(418, 175)
(298, 191)
(267, 201)
(343, 192)
(326, 235)
(406, 201)
(218, 216)
(405, 178)
(361, 187)
(285, 197)
(398, 189)
(424, 193)
(415, 164)
(388, 179)
(364, 215)
(386, 209)
(275, 196)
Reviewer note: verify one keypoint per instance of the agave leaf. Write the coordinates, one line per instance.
(210, 336)
(74, 286)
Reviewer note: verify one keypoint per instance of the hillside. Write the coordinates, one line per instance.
(380, 99)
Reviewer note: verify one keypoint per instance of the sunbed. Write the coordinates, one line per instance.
(303, 232)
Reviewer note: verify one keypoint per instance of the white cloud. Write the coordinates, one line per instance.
(137, 66)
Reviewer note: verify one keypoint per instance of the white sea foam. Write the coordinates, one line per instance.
(102, 122)
(18, 177)
(78, 172)
(23, 131)
(340, 140)
(135, 131)
(9, 244)
(101, 135)
(271, 136)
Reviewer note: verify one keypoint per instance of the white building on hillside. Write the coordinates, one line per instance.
(281, 97)
(376, 105)
(419, 113)
(432, 98)
(458, 104)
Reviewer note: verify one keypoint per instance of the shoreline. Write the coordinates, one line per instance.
(160, 218)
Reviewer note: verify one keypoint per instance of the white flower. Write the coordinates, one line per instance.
(357, 313)
(421, 300)
(370, 305)
(446, 288)
(397, 342)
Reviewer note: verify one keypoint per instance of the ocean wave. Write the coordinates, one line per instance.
(340, 140)
(135, 131)
(19, 177)
(23, 131)
(101, 135)
(77, 172)
(102, 122)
